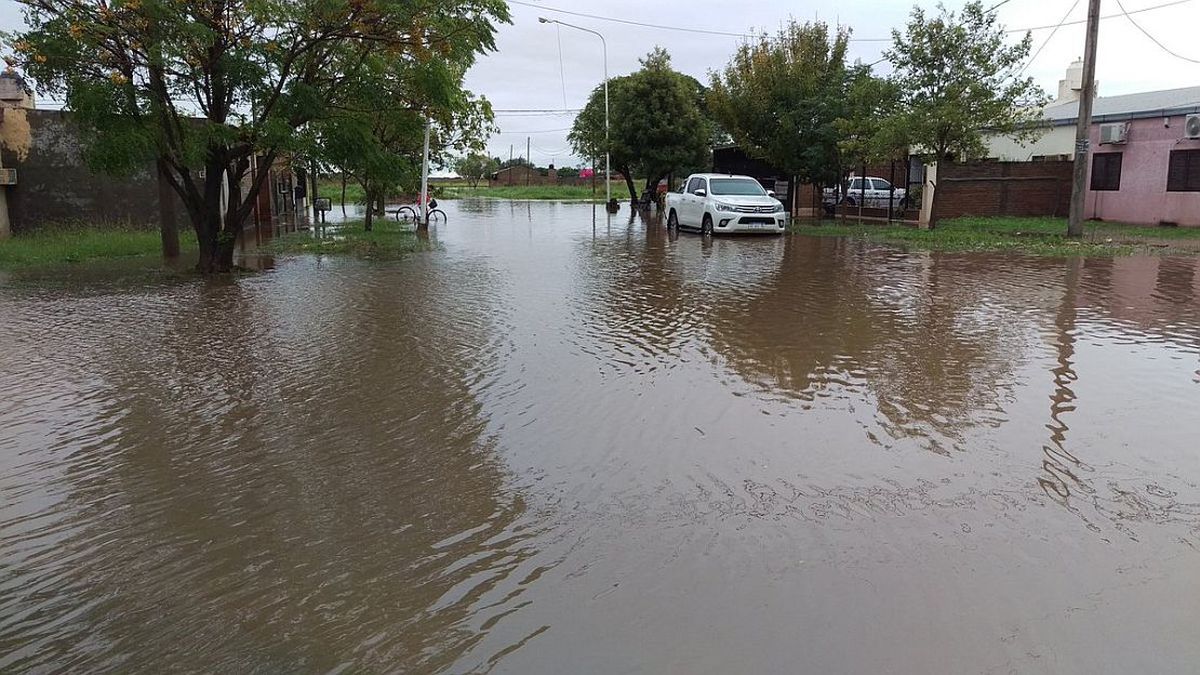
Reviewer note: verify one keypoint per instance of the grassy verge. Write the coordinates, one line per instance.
(72, 244)
(1035, 236)
(332, 190)
(388, 240)
(539, 192)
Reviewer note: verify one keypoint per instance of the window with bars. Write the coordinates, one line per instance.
(1183, 171)
(1106, 171)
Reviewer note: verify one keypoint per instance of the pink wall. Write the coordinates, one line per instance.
(1143, 197)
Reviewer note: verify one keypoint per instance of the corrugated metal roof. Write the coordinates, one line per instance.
(1128, 106)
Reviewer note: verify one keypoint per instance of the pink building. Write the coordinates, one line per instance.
(1145, 167)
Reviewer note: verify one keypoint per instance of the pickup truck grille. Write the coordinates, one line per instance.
(756, 209)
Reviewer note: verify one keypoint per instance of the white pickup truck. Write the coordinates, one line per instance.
(871, 192)
(717, 203)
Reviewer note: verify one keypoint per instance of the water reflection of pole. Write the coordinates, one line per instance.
(1058, 464)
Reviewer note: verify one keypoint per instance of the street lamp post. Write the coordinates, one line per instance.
(604, 45)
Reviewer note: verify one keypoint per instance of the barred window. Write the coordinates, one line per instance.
(1183, 171)
(1106, 171)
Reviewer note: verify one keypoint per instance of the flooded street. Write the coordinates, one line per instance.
(548, 447)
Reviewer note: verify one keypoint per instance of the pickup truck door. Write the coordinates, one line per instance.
(695, 204)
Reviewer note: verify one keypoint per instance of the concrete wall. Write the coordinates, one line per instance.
(55, 185)
(1143, 197)
(1058, 140)
(1001, 189)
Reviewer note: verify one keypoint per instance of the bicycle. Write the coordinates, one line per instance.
(412, 214)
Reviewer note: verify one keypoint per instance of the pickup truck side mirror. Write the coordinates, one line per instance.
(700, 192)
(771, 193)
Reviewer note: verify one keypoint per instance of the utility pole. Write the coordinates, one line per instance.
(425, 179)
(528, 160)
(510, 163)
(1083, 126)
(607, 150)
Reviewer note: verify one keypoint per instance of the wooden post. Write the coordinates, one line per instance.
(1083, 125)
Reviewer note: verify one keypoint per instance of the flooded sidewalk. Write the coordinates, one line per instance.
(563, 442)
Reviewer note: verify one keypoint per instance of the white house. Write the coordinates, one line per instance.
(1061, 115)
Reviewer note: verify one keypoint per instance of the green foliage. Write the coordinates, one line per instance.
(387, 240)
(658, 123)
(73, 244)
(209, 85)
(1031, 236)
(332, 189)
(780, 98)
(377, 138)
(869, 126)
(475, 167)
(958, 76)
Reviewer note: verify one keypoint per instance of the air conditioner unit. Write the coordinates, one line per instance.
(1191, 126)
(8, 176)
(1114, 134)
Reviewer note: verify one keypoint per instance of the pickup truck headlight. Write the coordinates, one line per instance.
(779, 208)
(726, 207)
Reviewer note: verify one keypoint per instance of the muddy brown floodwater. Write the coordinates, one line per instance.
(548, 448)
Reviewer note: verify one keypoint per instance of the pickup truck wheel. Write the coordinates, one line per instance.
(850, 201)
(672, 220)
(706, 227)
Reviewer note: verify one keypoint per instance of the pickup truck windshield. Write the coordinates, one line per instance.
(736, 187)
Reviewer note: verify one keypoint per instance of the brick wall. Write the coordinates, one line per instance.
(55, 185)
(1002, 189)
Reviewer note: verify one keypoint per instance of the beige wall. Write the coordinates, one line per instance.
(1056, 141)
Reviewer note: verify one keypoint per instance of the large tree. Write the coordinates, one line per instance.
(780, 97)
(208, 87)
(475, 166)
(376, 136)
(959, 76)
(658, 124)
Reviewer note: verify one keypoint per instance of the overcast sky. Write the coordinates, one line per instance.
(525, 73)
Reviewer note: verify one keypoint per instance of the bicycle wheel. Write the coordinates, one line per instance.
(437, 216)
(406, 214)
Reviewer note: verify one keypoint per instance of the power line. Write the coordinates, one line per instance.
(704, 31)
(996, 6)
(1154, 39)
(1047, 40)
(562, 72)
(628, 22)
(540, 131)
(1109, 16)
(557, 111)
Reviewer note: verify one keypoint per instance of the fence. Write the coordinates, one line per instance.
(1000, 189)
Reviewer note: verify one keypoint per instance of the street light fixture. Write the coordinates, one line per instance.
(604, 44)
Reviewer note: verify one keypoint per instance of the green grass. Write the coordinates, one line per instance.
(1034, 236)
(332, 190)
(61, 244)
(538, 192)
(387, 240)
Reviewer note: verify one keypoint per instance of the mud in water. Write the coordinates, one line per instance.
(564, 445)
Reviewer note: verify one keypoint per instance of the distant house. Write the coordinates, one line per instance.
(522, 174)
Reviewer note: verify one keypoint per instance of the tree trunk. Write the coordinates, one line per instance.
(369, 214)
(206, 219)
(632, 188)
(167, 225)
(343, 194)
